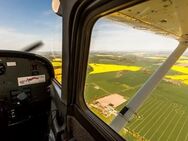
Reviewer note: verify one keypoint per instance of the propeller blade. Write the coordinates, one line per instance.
(33, 46)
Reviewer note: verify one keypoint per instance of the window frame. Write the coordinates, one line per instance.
(75, 64)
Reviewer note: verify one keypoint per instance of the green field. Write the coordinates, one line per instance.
(164, 115)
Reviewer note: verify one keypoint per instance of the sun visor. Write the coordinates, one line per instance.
(57, 7)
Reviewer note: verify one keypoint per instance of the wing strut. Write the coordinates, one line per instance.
(127, 113)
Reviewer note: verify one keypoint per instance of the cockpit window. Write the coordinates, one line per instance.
(26, 22)
(123, 55)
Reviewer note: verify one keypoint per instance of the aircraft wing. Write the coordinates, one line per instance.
(164, 17)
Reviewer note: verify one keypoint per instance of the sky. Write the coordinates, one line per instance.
(23, 22)
(114, 36)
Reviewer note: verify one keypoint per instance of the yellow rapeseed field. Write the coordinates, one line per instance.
(58, 77)
(102, 68)
(177, 77)
(57, 64)
(57, 71)
(182, 77)
(181, 69)
(57, 60)
(58, 74)
(182, 61)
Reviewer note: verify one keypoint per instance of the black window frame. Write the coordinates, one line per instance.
(76, 51)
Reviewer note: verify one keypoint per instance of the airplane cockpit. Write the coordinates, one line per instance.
(25, 99)
(110, 70)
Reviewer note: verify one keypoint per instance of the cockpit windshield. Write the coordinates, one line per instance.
(26, 22)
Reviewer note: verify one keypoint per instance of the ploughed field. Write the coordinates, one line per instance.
(116, 77)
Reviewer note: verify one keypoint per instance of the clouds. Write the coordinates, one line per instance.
(112, 36)
(24, 22)
(11, 39)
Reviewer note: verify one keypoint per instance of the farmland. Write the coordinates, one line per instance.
(164, 115)
(56, 59)
(57, 64)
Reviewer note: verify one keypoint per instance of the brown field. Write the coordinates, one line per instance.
(113, 99)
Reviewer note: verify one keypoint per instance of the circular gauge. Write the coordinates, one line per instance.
(2, 69)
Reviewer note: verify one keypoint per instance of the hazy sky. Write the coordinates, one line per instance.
(25, 21)
(112, 36)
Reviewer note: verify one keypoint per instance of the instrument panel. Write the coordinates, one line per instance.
(25, 81)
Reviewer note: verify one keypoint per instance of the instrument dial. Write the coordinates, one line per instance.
(2, 69)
